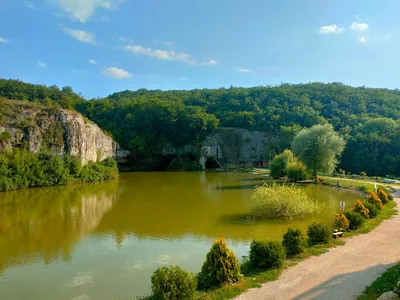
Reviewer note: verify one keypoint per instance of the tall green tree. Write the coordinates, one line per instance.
(280, 162)
(319, 147)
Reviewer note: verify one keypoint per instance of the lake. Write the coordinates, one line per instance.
(104, 240)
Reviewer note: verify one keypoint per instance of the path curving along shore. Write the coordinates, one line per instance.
(343, 272)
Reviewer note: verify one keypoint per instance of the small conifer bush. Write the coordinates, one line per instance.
(267, 254)
(341, 221)
(383, 196)
(356, 219)
(373, 210)
(318, 233)
(374, 199)
(221, 267)
(294, 242)
(173, 283)
(360, 208)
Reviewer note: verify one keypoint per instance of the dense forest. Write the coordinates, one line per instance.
(142, 121)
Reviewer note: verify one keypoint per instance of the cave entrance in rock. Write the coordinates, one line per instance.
(211, 163)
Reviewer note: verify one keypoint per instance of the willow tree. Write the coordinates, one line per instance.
(319, 147)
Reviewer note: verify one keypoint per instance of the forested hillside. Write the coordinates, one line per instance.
(143, 120)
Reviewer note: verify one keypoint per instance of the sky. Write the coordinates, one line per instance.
(99, 47)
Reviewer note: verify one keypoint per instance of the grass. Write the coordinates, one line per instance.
(349, 184)
(385, 283)
(255, 278)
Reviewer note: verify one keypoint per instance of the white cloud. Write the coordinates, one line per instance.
(362, 39)
(116, 73)
(211, 62)
(3, 40)
(29, 4)
(126, 40)
(167, 55)
(92, 61)
(41, 64)
(331, 29)
(82, 10)
(243, 70)
(356, 26)
(80, 35)
(166, 43)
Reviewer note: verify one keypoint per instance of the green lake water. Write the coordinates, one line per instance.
(104, 240)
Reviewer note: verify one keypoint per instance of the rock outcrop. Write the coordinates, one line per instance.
(25, 124)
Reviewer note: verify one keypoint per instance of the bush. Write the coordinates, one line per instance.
(383, 196)
(173, 283)
(360, 208)
(221, 266)
(356, 219)
(267, 254)
(279, 163)
(282, 202)
(341, 221)
(294, 242)
(374, 199)
(373, 210)
(296, 171)
(318, 233)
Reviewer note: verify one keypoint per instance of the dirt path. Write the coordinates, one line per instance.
(341, 273)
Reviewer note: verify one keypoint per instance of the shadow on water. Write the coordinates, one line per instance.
(239, 219)
(338, 287)
(237, 187)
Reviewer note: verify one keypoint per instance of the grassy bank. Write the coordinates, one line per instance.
(255, 278)
(385, 283)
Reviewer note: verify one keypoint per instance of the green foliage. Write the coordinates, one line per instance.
(385, 283)
(280, 162)
(374, 199)
(318, 233)
(4, 136)
(383, 196)
(360, 208)
(341, 221)
(296, 171)
(143, 120)
(221, 267)
(356, 219)
(267, 255)
(373, 210)
(24, 169)
(282, 202)
(294, 242)
(319, 147)
(173, 283)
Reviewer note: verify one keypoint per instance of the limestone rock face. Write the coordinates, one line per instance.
(25, 124)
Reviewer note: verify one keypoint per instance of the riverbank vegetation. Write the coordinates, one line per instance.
(23, 169)
(282, 202)
(367, 119)
(267, 259)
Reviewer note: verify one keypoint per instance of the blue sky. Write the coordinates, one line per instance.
(102, 46)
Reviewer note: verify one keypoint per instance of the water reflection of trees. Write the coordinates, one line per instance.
(45, 223)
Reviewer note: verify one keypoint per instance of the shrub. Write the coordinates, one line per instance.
(383, 196)
(173, 283)
(282, 202)
(294, 242)
(374, 199)
(318, 233)
(296, 171)
(356, 219)
(279, 163)
(221, 266)
(360, 208)
(267, 254)
(341, 221)
(372, 209)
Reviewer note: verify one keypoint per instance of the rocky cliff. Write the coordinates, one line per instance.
(25, 124)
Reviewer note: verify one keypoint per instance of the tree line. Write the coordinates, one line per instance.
(143, 120)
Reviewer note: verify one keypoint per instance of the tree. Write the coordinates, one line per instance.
(280, 162)
(319, 147)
